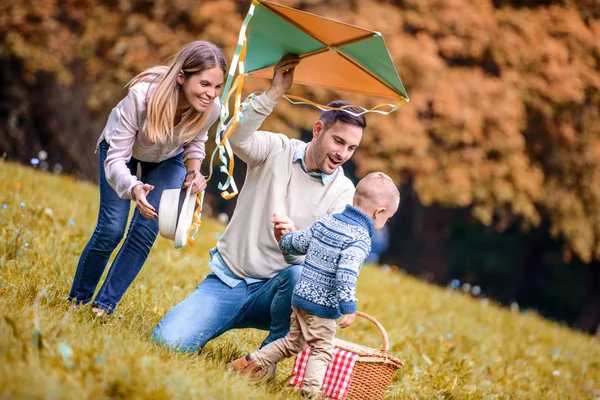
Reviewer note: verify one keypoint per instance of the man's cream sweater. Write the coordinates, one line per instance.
(274, 183)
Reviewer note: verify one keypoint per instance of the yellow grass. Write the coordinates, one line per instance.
(454, 346)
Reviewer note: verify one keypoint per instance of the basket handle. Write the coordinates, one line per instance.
(382, 330)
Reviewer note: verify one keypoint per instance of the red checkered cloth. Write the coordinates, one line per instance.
(337, 378)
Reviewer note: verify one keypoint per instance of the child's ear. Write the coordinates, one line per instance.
(379, 212)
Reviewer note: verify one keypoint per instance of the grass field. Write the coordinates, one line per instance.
(454, 346)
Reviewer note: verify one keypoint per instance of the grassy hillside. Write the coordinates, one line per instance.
(454, 346)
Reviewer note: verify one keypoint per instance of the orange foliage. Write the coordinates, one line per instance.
(504, 113)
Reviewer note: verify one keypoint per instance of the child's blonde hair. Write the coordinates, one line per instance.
(377, 189)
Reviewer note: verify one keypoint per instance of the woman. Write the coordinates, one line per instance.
(161, 125)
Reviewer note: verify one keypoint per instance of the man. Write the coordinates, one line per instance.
(251, 283)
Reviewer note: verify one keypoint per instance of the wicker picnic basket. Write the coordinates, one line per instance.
(374, 369)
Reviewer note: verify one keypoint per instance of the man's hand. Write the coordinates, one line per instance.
(138, 194)
(347, 320)
(282, 225)
(283, 76)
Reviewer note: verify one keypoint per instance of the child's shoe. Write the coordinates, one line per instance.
(246, 366)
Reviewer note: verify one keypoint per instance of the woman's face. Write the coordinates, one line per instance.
(199, 90)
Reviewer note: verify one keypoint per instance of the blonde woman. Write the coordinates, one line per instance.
(161, 128)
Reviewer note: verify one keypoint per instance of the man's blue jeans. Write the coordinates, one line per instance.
(110, 228)
(214, 308)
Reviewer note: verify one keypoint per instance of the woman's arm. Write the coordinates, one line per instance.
(120, 148)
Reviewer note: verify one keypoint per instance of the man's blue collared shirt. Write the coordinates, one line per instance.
(299, 156)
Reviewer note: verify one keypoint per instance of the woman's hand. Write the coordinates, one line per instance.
(198, 182)
(138, 194)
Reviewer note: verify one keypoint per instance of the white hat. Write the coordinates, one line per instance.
(175, 214)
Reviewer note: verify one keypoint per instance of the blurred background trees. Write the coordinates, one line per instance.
(497, 154)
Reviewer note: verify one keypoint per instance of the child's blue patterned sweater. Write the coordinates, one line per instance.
(335, 248)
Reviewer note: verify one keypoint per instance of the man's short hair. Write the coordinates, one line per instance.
(330, 117)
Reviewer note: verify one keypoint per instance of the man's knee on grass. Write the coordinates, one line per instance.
(179, 344)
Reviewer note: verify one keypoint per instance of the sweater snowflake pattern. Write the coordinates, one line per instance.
(335, 248)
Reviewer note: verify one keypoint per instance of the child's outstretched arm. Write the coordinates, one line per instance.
(296, 243)
(351, 260)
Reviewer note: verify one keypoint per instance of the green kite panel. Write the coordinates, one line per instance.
(373, 55)
(270, 37)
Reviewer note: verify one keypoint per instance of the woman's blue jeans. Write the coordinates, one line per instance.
(110, 228)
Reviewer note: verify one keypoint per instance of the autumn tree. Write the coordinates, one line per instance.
(504, 117)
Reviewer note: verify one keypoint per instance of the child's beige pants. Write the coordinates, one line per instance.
(305, 329)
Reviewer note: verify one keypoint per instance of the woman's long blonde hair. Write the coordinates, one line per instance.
(195, 57)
